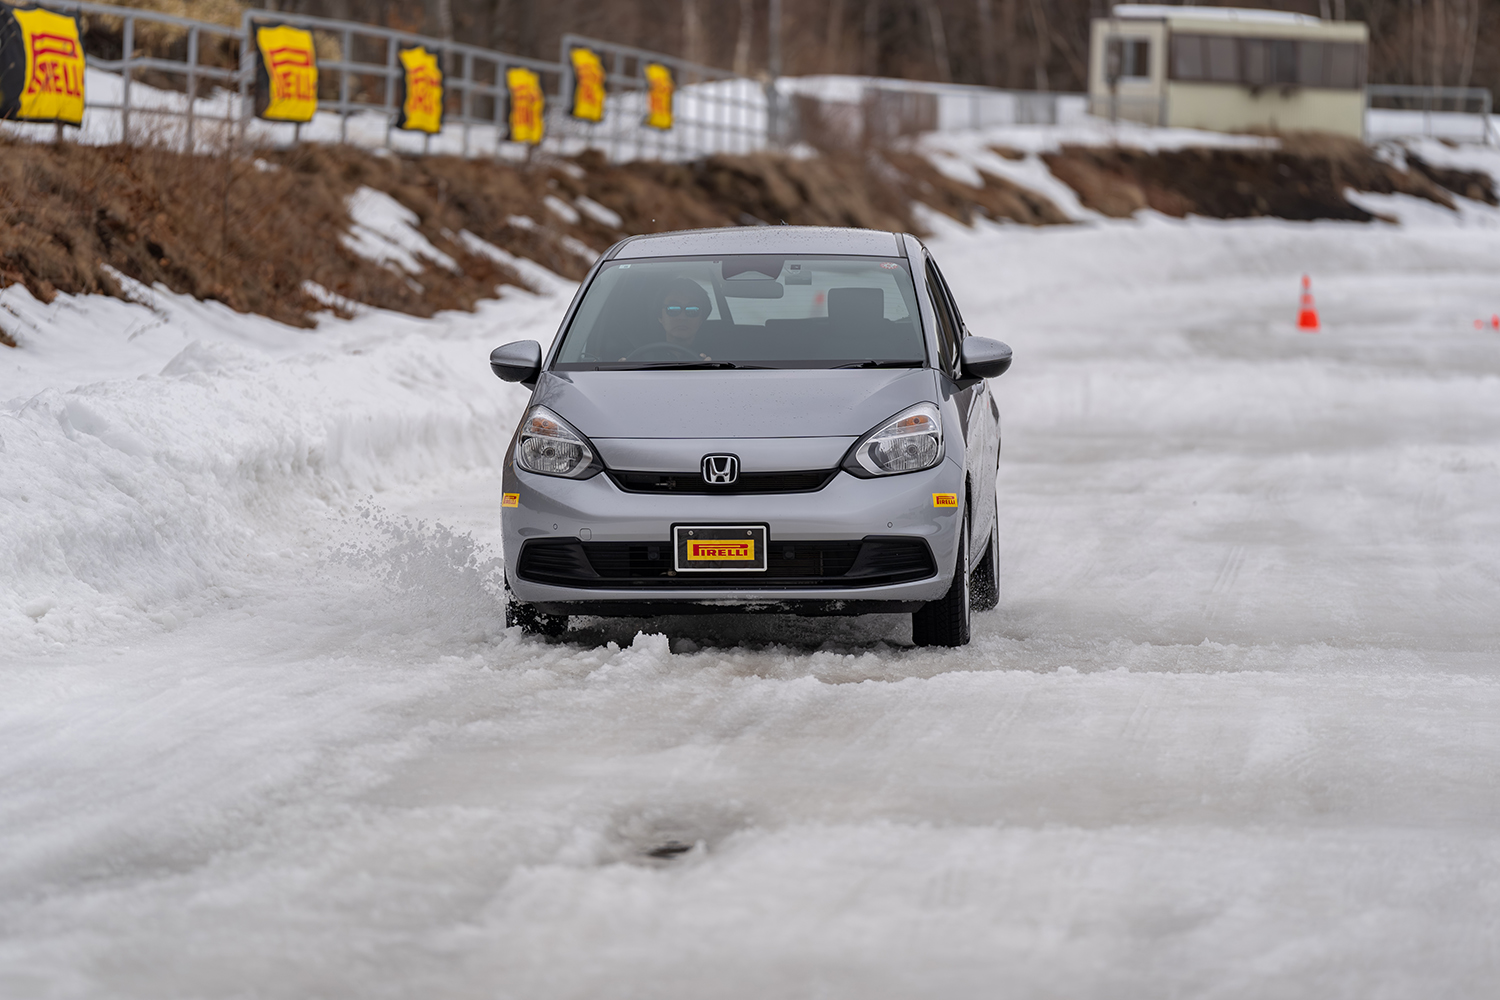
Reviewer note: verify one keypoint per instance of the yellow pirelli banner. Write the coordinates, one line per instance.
(421, 91)
(527, 106)
(588, 84)
(287, 78)
(41, 66)
(660, 90)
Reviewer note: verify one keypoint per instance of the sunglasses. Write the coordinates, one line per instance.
(676, 312)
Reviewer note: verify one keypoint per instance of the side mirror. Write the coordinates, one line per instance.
(518, 362)
(983, 358)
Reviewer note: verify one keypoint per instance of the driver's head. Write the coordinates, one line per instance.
(684, 307)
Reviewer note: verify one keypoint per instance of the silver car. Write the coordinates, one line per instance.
(779, 419)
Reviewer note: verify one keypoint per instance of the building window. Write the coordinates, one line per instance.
(1128, 59)
(1267, 62)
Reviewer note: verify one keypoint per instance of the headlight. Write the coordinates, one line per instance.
(910, 441)
(549, 446)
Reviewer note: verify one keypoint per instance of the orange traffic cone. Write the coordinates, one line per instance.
(1307, 316)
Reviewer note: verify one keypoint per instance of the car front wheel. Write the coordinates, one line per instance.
(986, 585)
(530, 620)
(945, 622)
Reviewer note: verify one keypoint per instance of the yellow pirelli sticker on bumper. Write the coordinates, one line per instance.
(510, 499)
(721, 550)
(945, 499)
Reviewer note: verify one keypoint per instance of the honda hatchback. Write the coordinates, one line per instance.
(775, 419)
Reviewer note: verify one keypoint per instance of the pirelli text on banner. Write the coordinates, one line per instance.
(287, 75)
(41, 66)
(421, 91)
(660, 90)
(588, 84)
(527, 106)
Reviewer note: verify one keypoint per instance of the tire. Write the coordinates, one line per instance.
(985, 589)
(945, 622)
(519, 614)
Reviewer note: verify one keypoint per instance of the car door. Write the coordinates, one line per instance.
(982, 428)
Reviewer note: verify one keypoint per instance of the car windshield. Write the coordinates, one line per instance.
(750, 311)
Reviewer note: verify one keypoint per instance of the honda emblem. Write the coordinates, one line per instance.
(720, 470)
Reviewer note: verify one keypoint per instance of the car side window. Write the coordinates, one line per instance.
(948, 326)
(948, 294)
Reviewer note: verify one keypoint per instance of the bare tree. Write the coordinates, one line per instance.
(1416, 41)
(1470, 27)
(1438, 35)
(833, 60)
(743, 38)
(692, 32)
(1010, 43)
(985, 9)
(939, 41)
(1043, 43)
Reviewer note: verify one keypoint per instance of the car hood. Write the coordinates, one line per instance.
(732, 404)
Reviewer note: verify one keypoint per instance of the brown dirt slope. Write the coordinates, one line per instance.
(1304, 179)
(249, 233)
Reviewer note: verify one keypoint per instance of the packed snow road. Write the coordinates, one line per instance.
(1231, 732)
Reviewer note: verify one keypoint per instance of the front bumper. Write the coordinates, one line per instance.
(849, 508)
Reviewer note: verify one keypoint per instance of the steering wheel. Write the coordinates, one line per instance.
(654, 352)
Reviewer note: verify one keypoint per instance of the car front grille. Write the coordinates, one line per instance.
(873, 561)
(748, 482)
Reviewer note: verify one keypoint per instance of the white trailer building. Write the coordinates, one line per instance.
(1228, 69)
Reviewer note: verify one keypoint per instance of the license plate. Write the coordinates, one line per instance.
(704, 548)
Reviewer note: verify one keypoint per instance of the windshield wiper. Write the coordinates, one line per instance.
(690, 365)
(882, 364)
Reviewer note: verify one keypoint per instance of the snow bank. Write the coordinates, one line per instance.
(126, 497)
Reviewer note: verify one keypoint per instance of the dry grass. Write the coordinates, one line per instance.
(249, 232)
(219, 228)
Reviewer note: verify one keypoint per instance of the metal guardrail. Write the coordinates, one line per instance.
(1433, 102)
(850, 112)
(473, 77)
(192, 69)
(715, 110)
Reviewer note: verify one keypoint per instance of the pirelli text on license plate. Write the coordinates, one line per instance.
(715, 547)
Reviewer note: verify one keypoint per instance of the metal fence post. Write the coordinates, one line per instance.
(128, 56)
(390, 87)
(465, 105)
(344, 87)
(247, 76)
(192, 84)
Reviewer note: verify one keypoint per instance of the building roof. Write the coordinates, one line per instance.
(1164, 12)
(762, 239)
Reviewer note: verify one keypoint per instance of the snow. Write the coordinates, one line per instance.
(1231, 731)
(604, 216)
(385, 231)
(561, 209)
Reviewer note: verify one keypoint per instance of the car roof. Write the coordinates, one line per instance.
(762, 239)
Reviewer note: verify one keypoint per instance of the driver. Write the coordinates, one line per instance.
(684, 307)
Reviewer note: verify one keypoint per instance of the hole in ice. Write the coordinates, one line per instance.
(669, 850)
(657, 835)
